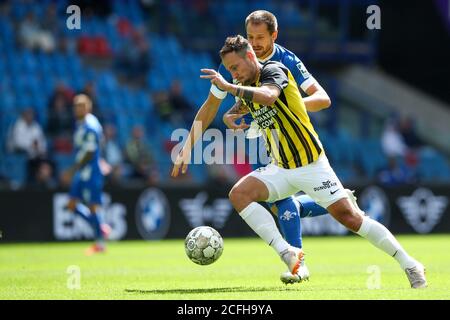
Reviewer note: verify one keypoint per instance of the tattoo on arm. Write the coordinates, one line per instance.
(245, 94)
(238, 108)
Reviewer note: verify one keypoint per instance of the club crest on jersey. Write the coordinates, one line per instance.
(301, 67)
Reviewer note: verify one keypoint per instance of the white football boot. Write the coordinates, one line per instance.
(416, 276)
(298, 271)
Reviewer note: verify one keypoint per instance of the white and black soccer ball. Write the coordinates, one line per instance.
(203, 245)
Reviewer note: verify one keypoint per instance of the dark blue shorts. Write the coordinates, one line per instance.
(89, 192)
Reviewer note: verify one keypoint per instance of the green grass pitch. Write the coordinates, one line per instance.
(341, 268)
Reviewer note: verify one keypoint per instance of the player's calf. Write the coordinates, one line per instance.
(345, 214)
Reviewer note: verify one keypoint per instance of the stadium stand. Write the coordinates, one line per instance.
(28, 77)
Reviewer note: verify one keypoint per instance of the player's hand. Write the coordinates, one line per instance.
(105, 167)
(230, 121)
(216, 79)
(182, 162)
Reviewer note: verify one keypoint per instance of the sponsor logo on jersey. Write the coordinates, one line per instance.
(301, 67)
(326, 185)
(264, 116)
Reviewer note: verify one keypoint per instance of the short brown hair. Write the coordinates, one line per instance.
(263, 16)
(237, 44)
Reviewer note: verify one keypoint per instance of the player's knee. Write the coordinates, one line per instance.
(351, 220)
(239, 197)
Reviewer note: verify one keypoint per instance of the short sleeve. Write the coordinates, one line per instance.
(273, 74)
(218, 93)
(301, 75)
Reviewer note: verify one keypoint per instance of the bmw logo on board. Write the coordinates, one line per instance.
(152, 214)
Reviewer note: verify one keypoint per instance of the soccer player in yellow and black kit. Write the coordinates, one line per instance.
(298, 159)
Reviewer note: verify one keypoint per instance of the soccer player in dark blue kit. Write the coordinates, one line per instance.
(87, 174)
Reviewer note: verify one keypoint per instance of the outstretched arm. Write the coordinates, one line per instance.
(265, 95)
(203, 119)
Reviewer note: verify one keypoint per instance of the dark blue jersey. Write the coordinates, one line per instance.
(87, 138)
(87, 183)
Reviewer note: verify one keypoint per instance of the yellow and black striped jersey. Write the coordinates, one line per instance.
(288, 132)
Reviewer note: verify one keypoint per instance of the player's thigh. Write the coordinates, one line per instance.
(95, 188)
(75, 192)
(92, 192)
(320, 182)
(276, 182)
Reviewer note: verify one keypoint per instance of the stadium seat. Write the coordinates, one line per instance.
(7, 102)
(15, 168)
(63, 161)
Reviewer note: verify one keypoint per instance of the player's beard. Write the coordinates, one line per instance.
(265, 52)
(251, 79)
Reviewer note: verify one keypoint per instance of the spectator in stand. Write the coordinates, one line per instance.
(396, 173)
(64, 92)
(44, 177)
(179, 102)
(408, 132)
(51, 24)
(133, 59)
(89, 90)
(165, 109)
(392, 141)
(28, 138)
(34, 37)
(139, 156)
(412, 141)
(60, 120)
(402, 162)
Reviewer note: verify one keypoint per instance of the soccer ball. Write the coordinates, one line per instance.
(203, 245)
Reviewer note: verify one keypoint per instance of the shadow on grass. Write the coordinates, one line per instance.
(210, 290)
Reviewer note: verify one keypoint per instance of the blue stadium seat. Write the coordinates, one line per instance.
(371, 162)
(15, 168)
(433, 166)
(63, 161)
(7, 102)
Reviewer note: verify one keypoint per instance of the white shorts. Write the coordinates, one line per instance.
(317, 180)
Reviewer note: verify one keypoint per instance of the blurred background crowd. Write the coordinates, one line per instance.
(139, 61)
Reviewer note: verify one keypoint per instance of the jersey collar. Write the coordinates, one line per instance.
(269, 56)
